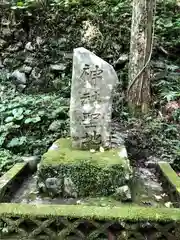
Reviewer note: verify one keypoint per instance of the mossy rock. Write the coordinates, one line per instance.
(74, 173)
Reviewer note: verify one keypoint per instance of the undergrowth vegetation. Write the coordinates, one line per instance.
(30, 123)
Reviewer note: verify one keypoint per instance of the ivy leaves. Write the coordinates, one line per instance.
(25, 119)
(18, 114)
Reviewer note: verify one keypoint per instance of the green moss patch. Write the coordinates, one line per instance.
(130, 213)
(82, 173)
(66, 155)
(9, 176)
(170, 174)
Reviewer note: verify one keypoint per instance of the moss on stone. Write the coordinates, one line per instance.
(170, 174)
(102, 202)
(89, 174)
(128, 213)
(65, 154)
(11, 174)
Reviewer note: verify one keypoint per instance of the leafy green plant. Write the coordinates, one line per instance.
(7, 160)
(25, 120)
(168, 87)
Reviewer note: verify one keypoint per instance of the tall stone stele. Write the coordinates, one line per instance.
(93, 82)
(70, 168)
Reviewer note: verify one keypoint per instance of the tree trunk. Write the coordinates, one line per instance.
(139, 94)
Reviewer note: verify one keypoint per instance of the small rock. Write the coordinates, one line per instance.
(57, 83)
(32, 161)
(19, 77)
(68, 55)
(103, 205)
(36, 73)
(20, 87)
(101, 149)
(54, 186)
(69, 188)
(29, 47)
(51, 182)
(153, 185)
(26, 69)
(39, 41)
(8, 62)
(92, 150)
(158, 197)
(29, 61)
(55, 126)
(151, 161)
(24, 201)
(41, 186)
(123, 193)
(58, 67)
(2, 43)
(123, 153)
(5, 22)
(14, 48)
(168, 204)
(62, 42)
(146, 225)
(144, 172)
(6, 32)
(123, 58)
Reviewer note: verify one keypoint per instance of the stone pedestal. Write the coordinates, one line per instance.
(66, 172)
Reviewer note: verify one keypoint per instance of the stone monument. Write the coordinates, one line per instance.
(93, 81)
(86, 165)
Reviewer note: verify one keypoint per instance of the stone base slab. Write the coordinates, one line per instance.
(67, 172)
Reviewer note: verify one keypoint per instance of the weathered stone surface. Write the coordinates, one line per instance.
(58, 67)
(32, 161)
(123, 193)
(36, 73)
(19, 77)
(2, 43)
(20, 87)
(53, 185)
(55, 126)
(26, 69)
(69, 188)
(29, 47)
(83, 173)
(29, 60)
(15, 47)
(93, 81)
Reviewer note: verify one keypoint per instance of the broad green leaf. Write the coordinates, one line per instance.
(9, 119)
(19, 117)
(17, 111)
(32, 120)
(16, 142)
